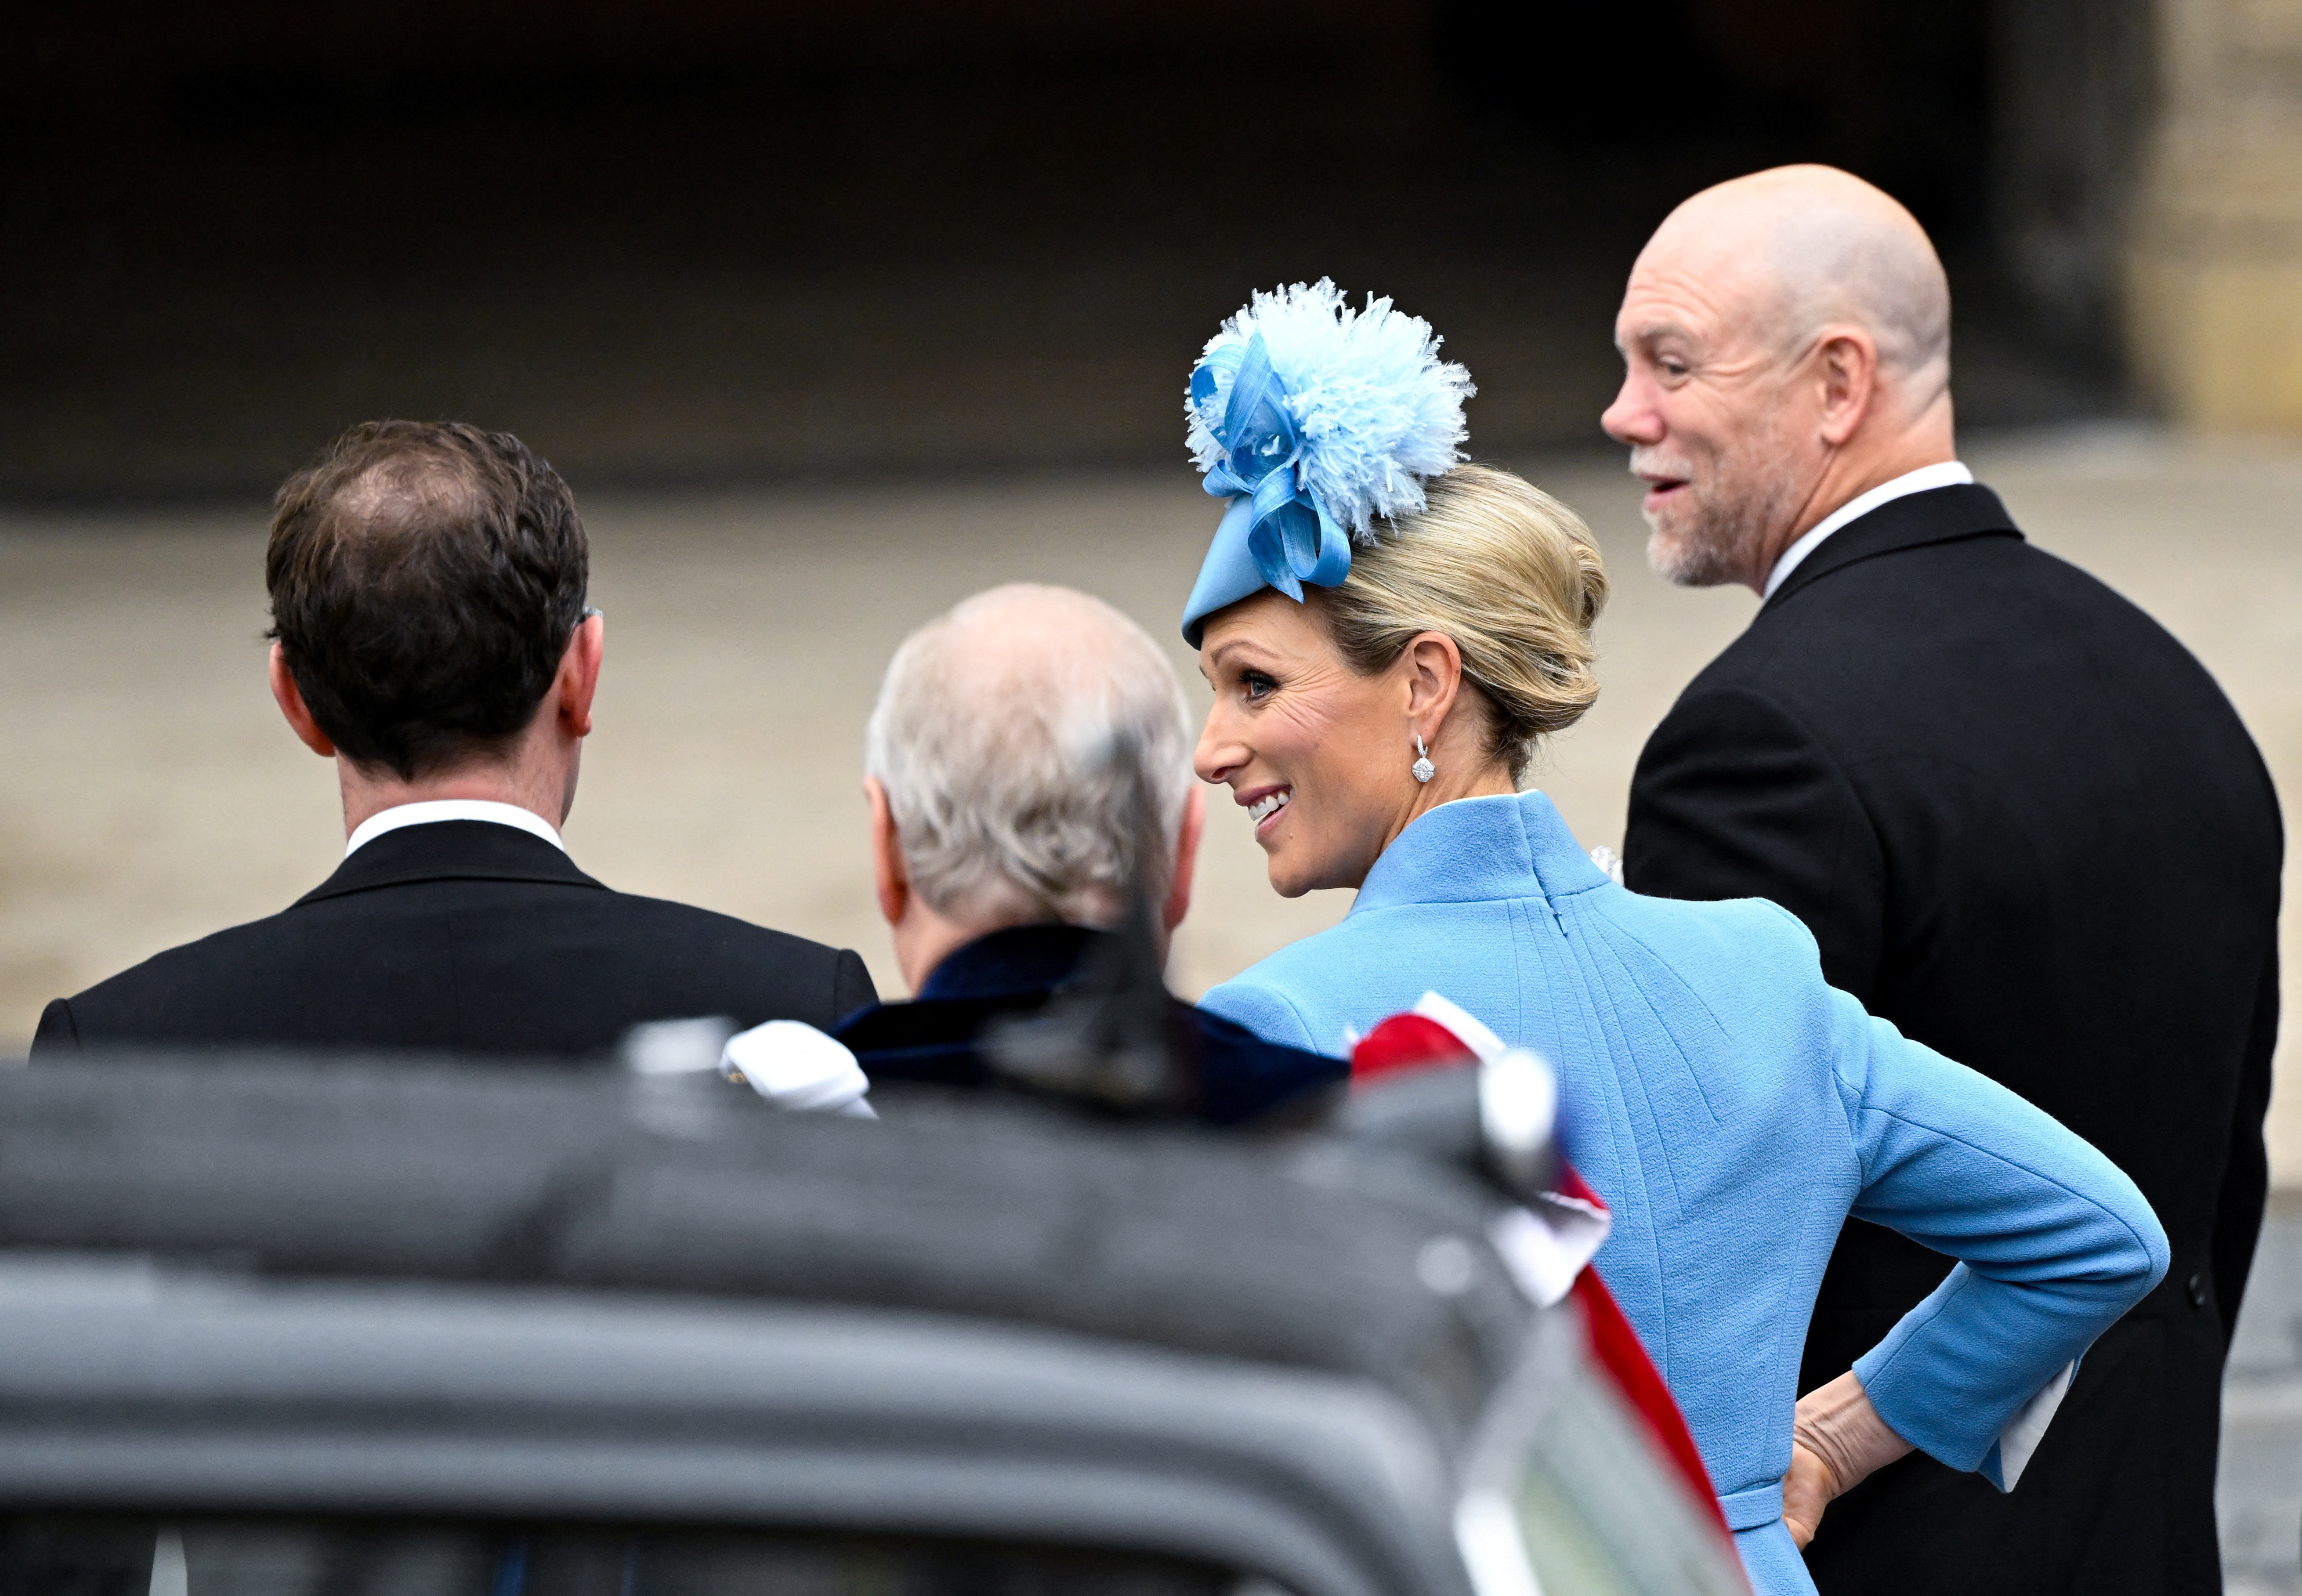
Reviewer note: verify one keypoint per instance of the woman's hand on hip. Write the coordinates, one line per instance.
(1837, 1441)
(1807, 1491)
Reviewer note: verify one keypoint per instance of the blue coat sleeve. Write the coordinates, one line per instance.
(2053, 1242)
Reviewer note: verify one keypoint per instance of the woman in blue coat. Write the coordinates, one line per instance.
(1388, 635)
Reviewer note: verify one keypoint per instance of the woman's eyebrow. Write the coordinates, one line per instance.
(1247, 646)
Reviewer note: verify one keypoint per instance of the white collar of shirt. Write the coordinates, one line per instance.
(1948, 473)
(450, 808)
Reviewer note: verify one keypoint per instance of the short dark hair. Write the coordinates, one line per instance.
(426, 578)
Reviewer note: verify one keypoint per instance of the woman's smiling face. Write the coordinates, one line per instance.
(1316, 753)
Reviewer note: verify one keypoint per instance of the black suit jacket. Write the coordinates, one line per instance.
(462, 936)
(2026, 827)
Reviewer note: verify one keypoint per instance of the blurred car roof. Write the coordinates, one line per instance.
(383, 1286)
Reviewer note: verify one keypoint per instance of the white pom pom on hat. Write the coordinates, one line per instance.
(1379, 412)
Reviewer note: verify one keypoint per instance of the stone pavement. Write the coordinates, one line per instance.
(2258, 1493)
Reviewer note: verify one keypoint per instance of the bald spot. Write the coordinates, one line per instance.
(1799, 248)
(393, 495)
(1026, 643)
(993, 736)
(1030, 666)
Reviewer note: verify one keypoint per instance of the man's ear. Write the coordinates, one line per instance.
(889, 876)
(1186, 859)
(579, 673)
(291, 700)
(1847, 365)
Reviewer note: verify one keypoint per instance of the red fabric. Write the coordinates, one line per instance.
(1569, 1184)
(1406, 1042)
(1616, 1347)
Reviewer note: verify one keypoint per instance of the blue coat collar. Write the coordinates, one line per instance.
(1479, 849)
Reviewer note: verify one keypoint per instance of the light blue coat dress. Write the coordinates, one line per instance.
(1733, 1110)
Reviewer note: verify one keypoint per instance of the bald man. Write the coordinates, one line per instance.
(2020, 820)
(1001, 844)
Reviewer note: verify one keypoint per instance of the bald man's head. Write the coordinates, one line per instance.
(1786, 339)
(1804, 248)
(991, 739)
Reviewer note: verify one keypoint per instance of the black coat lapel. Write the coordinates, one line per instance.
(1937, 515)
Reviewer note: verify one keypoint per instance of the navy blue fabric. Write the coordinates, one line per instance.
(1014, 972)
(1733, 1110)
(1019, 962)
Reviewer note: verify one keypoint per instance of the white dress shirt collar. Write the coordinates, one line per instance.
(1948, 473)
(450, 808)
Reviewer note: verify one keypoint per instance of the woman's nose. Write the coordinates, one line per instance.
(1218, 753)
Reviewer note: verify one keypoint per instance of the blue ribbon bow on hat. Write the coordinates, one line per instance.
(1276, 533)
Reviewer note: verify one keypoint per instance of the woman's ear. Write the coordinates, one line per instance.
(889, 874)
(1434, 681)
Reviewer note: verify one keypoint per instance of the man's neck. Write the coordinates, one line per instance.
(366, 795)
(1836, 494)
(1849, 474)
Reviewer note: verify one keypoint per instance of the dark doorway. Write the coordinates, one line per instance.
(691, 239)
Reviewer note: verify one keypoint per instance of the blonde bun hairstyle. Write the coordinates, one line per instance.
(1507, 572)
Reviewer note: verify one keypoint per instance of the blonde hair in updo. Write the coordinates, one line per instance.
(1507, 572)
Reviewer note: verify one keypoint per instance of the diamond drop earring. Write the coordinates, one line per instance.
(1423, 768)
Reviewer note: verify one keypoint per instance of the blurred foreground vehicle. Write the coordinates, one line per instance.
(416, 1331)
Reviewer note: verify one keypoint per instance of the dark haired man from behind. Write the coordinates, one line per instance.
(431, 636)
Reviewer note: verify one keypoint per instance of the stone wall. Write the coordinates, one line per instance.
(2215, 266)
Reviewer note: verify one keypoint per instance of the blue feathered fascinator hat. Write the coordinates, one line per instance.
(1315, 420)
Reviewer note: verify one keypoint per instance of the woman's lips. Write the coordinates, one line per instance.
(1264, 806)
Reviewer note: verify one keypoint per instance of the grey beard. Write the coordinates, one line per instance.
(1722, 546)
(1707, 559)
